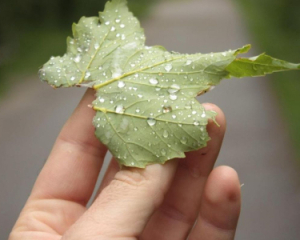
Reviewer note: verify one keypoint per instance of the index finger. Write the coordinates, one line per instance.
(72, 168)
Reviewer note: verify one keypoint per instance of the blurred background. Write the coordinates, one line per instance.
(263, 136)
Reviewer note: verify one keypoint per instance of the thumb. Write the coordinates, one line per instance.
(124, 207)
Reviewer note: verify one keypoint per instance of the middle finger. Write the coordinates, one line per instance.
(176, 216)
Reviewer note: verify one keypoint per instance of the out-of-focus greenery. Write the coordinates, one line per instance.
(276, 28)
(33, 30)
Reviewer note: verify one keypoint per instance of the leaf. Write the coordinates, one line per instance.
(146, 111)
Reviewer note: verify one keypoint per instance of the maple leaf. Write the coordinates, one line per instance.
(146, 111)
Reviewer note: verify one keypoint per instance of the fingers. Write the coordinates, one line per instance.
(72, 168)
(220, 206)
(125, 205)
(176, 216)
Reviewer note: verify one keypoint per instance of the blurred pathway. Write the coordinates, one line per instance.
(256, 144)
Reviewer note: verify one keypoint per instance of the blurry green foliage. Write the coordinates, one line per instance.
(33, 30)
(276, 28)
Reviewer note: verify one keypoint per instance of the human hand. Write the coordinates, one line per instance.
(157, 203)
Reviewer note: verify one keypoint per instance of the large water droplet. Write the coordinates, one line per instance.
(165, 134)
(153, 81)
(168, 67)
(188, 62)
(77, 59)
(196, 123)
(173, 96)
(120, 109)
(96, 46)
(151, 121)
(188, 106)
(183, 140)
(87, 75)
(121, 84)
(167, 109)
(174, 88)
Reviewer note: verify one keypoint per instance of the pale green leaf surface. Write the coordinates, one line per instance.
(146, 111)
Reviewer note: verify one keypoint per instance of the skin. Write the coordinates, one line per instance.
(184, 198)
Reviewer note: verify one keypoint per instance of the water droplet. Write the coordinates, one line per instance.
(140, 95)
(121, 84)
(174, 88)
(194, 112)
(165, 134)
(137, 110)
(196, 123)
(173, 96)
(224, 54)
(122, 26)
(123, 37)
(118, 20)
(102, 100)
(96, 46)
(187, 106)
(163, 152)
(112, 29)
(72, 78)
(107, 23)
(183, 140)
(167, 109)
(153, 81)
(87, 75)
(203, 115)
(188, 62)
(77, 59)
(174, 116)
(135, 129)
(151, 121)
(79, 49)
(168, 67)
(120, 109)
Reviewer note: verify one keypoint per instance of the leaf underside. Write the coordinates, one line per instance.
(146, 111)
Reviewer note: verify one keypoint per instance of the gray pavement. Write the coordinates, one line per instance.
(256, 143)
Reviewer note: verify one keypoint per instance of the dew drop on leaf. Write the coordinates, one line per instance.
(120, 109)
(168, 67)
(151, 121)
(196, 123)
(173, 96)
(165, 134)
(163, 152)
(153, 81)
(77, 59)
(183, 140)
(121, 84)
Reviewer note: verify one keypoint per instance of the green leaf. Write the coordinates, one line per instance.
(146, 111)
(258, 66)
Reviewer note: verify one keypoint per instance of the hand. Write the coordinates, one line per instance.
(157, 203)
